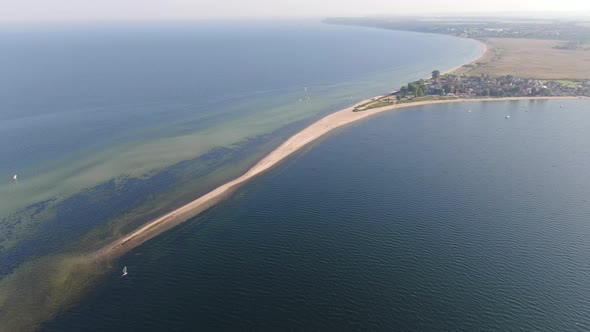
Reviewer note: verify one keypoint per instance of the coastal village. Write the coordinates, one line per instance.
(446, 87)
(505, 86)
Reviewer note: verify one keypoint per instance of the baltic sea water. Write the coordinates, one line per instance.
(433, 218)
(107, 120)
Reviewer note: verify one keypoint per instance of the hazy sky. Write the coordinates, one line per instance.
(51, 10)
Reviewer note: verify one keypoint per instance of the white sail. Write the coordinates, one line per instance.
(125, 271)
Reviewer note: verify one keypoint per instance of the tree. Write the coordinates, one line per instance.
(404, 90)
(421, 91)
(417, 88)
(435, 74)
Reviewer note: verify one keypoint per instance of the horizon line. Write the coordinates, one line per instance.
(470, 14)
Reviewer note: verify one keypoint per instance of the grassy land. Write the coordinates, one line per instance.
(426, 98)
(382, 102)
(568, 82)
(530, 58)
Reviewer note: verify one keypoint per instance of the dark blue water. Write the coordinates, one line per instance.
(432, 219)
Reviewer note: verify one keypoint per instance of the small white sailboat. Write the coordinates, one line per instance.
(507, 116)
(124, 271)
(15, 178)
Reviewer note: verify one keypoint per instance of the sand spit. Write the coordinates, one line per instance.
(293, 144)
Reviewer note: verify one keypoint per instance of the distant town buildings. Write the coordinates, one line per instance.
(485, 86)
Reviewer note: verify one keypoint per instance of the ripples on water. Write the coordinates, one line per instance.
(436, 219)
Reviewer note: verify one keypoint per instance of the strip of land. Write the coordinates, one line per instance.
(293, 144)
(449, 88)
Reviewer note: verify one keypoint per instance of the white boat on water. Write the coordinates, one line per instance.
(124, 271)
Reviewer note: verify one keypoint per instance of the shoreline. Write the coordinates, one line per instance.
(484, 51)
(290, 146)
(195, 207)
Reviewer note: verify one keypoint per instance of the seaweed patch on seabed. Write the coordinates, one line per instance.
(67, 220)
(52, 227)
(16, 226)
(46, 271)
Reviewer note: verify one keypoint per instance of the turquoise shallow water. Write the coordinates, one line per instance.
(431, 219)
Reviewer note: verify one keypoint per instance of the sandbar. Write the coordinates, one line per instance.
(289, 147)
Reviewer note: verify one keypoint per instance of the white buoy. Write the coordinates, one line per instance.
(507, 116)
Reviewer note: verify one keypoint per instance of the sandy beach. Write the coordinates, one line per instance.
(290, 146)
(294, 143)
(484, 52)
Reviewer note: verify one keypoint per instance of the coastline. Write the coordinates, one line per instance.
(484, 52)
(61, 280)
(294, 143)
(76, 272)
(290, 146)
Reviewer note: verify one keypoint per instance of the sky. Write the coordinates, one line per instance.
(92, 10)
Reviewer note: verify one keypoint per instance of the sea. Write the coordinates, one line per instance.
(438, 217)
(107, 125)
